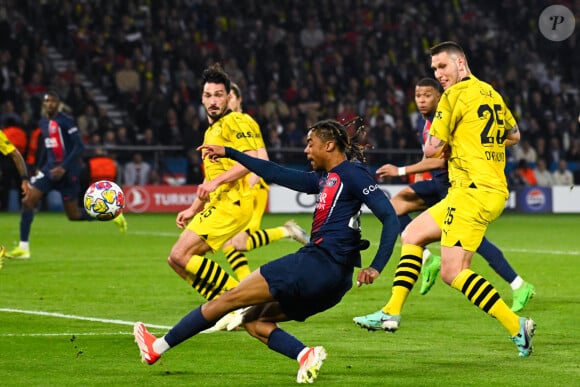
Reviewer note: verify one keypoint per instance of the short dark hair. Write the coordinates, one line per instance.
(449, 47)
(52, 93)
(429, 82)
(216, 74)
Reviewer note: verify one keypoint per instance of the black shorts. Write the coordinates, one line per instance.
(307, 282)
(431, 191)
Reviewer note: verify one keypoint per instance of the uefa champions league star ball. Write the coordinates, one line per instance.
(104, 200)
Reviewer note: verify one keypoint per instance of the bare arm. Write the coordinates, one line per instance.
(512, 136)
(389, 170)
(434, 147)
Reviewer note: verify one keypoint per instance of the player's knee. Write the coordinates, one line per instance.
(175, 261)
(408, 238)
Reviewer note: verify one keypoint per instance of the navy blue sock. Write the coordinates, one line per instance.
(494, 256)
(404, 220)
(189, 326)
(285, 344)
(26, 219)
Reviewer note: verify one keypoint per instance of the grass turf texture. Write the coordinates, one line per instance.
(81, 271)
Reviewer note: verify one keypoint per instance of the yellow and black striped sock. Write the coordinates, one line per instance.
(405, 278)
(264, 237)
(237, 261)
(482, 294)
(208, 278)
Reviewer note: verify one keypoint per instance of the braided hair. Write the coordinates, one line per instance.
(331, 130)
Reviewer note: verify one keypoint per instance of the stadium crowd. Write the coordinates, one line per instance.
(296, 62)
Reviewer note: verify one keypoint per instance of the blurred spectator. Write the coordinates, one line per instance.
(37, 86)
(525, 151)
(137, 171)
(184, 73)
(562, 175)
(102, 167)
(194, 173)
(128, 83)
(523, 175)
(77, 99)
(148, 140)
(542, 174)
(8, 113)
(88, 122)
(105, 122)
(574, 153)
(171, 133)
(109, 140)
(275, 107)
(311, 35)
(6, 74)
(338, 53)
(555, 153)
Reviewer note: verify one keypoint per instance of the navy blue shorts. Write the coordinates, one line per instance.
(69, 185)
(431, 191)
(307, 282)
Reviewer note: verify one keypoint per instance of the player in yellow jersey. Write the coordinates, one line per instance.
(223, 206)
(472, 126)
(8, 149)
(253, 236)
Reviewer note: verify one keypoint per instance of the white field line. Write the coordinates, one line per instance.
(74, 317)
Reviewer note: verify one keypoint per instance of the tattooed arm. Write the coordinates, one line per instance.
(434, 147)
(512, 136)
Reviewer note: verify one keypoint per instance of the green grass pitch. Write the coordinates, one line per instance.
(66, 314)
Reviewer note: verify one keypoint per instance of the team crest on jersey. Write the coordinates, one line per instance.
(331, 182)
(439, 114)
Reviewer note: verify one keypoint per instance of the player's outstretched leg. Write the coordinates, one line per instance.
(310, 364)
(145, 341)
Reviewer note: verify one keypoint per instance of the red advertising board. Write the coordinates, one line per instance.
(159, 198)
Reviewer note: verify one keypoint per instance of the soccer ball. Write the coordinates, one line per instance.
(104, 200)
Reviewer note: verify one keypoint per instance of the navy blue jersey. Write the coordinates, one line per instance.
(423, 126)
(340, 195)
(62, 141)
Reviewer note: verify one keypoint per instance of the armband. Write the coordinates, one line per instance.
(25, 178)
(402, 171)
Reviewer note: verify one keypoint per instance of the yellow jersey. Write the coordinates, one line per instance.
(473, 119)
(259, 142)
(6, 147)
(234, 130)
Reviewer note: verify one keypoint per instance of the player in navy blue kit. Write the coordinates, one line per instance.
(63, 149)
(317, 276)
